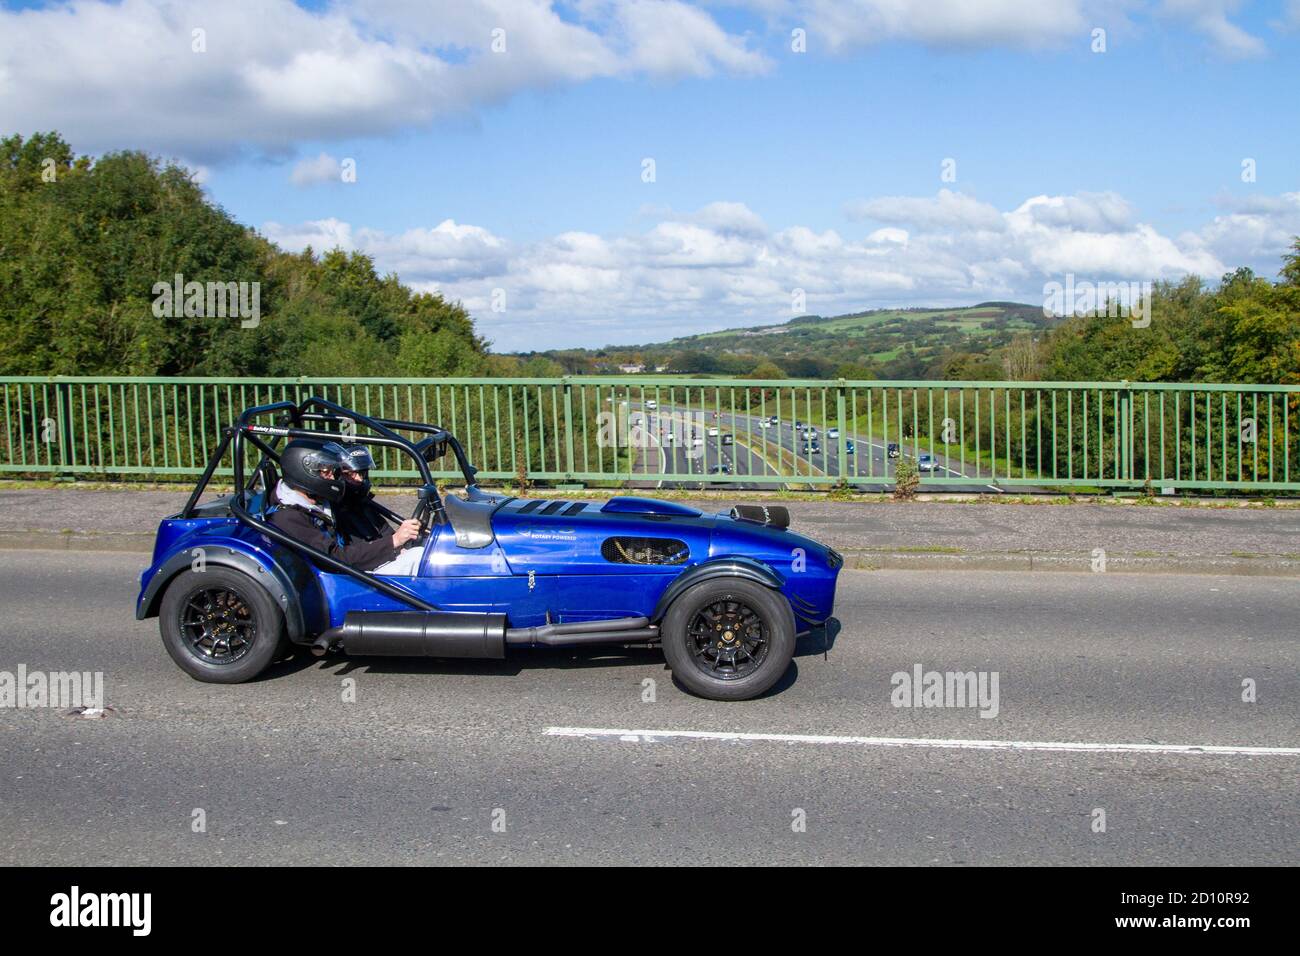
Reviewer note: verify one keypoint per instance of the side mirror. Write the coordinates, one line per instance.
(431, 449)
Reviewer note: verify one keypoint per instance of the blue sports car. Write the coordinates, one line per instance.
(725, 595)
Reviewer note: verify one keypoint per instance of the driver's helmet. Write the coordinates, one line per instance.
(314, 468)
(357, 462)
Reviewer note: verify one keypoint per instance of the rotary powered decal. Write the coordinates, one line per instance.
(547, 534)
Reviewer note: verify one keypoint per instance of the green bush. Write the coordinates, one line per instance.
(907, 478)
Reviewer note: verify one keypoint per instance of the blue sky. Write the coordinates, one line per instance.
(520, 172)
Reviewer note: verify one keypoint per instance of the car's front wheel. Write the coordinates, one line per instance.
(219, 625)
(728, 639)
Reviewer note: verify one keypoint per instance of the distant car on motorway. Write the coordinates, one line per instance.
(849, 447)
(773, 420)
(832, 433)
(811, 447)
(927, 463)
(697, 441)
(723, 469)
(892, 450)
(713, 431)
(669, 438)
(809, 434)
(651, 403)
(765, 423)
(728, 439)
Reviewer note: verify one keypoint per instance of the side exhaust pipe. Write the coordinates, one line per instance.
(585, 632)
(417, 634)
(450, 634)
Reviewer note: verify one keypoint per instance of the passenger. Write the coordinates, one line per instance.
(312, 481)
(357, 517)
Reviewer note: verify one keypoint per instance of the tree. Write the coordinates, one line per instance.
(766, 369)
(83, 243)
(1022, 358)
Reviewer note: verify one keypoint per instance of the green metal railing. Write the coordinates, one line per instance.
(622, 430)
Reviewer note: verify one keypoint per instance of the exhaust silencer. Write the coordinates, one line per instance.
(418, 634)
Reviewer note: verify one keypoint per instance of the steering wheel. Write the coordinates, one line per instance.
(423, 512)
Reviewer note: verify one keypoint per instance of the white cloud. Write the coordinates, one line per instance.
(666, 37)
(718, 266)
(314, 172)
(321, 234)
(1255, 232)
(1086, 212)
(946, 210)
(448, 252)
(271, 74)
(850, 24)
(731, 218)
(845, 26)
(1210, 17)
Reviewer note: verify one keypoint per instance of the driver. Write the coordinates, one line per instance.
(312, 481)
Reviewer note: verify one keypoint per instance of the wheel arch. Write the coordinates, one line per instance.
(263, 571)
(735, 566)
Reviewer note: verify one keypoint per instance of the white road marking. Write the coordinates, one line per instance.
(651, 736)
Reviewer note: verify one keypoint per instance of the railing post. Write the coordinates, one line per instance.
(568, 429)
(1126, 430)
(63, 391)
(842, 425)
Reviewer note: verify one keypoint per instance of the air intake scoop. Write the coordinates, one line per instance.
(772, 516)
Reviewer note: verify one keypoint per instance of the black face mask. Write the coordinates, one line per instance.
(358, 492)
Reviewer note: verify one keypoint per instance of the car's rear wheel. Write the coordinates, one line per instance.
(728, 639)
(220, 626)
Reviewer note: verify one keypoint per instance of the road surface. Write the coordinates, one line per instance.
(543, 758)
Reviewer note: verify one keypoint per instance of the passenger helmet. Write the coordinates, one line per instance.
(302, 463)
(357, 458)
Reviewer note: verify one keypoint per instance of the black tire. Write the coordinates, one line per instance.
(750, 638)
(219, 625)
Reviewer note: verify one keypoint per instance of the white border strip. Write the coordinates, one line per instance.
(651, 736)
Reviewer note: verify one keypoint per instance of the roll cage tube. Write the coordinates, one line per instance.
(430, 505)
(297, 414)
(294, 416)
(315, 554)
(228, 435)
(438, 433)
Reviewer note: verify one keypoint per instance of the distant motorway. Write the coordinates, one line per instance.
(695, 443)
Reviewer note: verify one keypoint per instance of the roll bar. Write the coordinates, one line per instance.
(292, 418)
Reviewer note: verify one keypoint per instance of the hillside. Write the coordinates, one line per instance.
(891, 343)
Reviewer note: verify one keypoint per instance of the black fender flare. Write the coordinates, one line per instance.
(736, 566)
(270, 576)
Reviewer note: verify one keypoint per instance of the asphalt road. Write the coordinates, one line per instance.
(431, 753)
